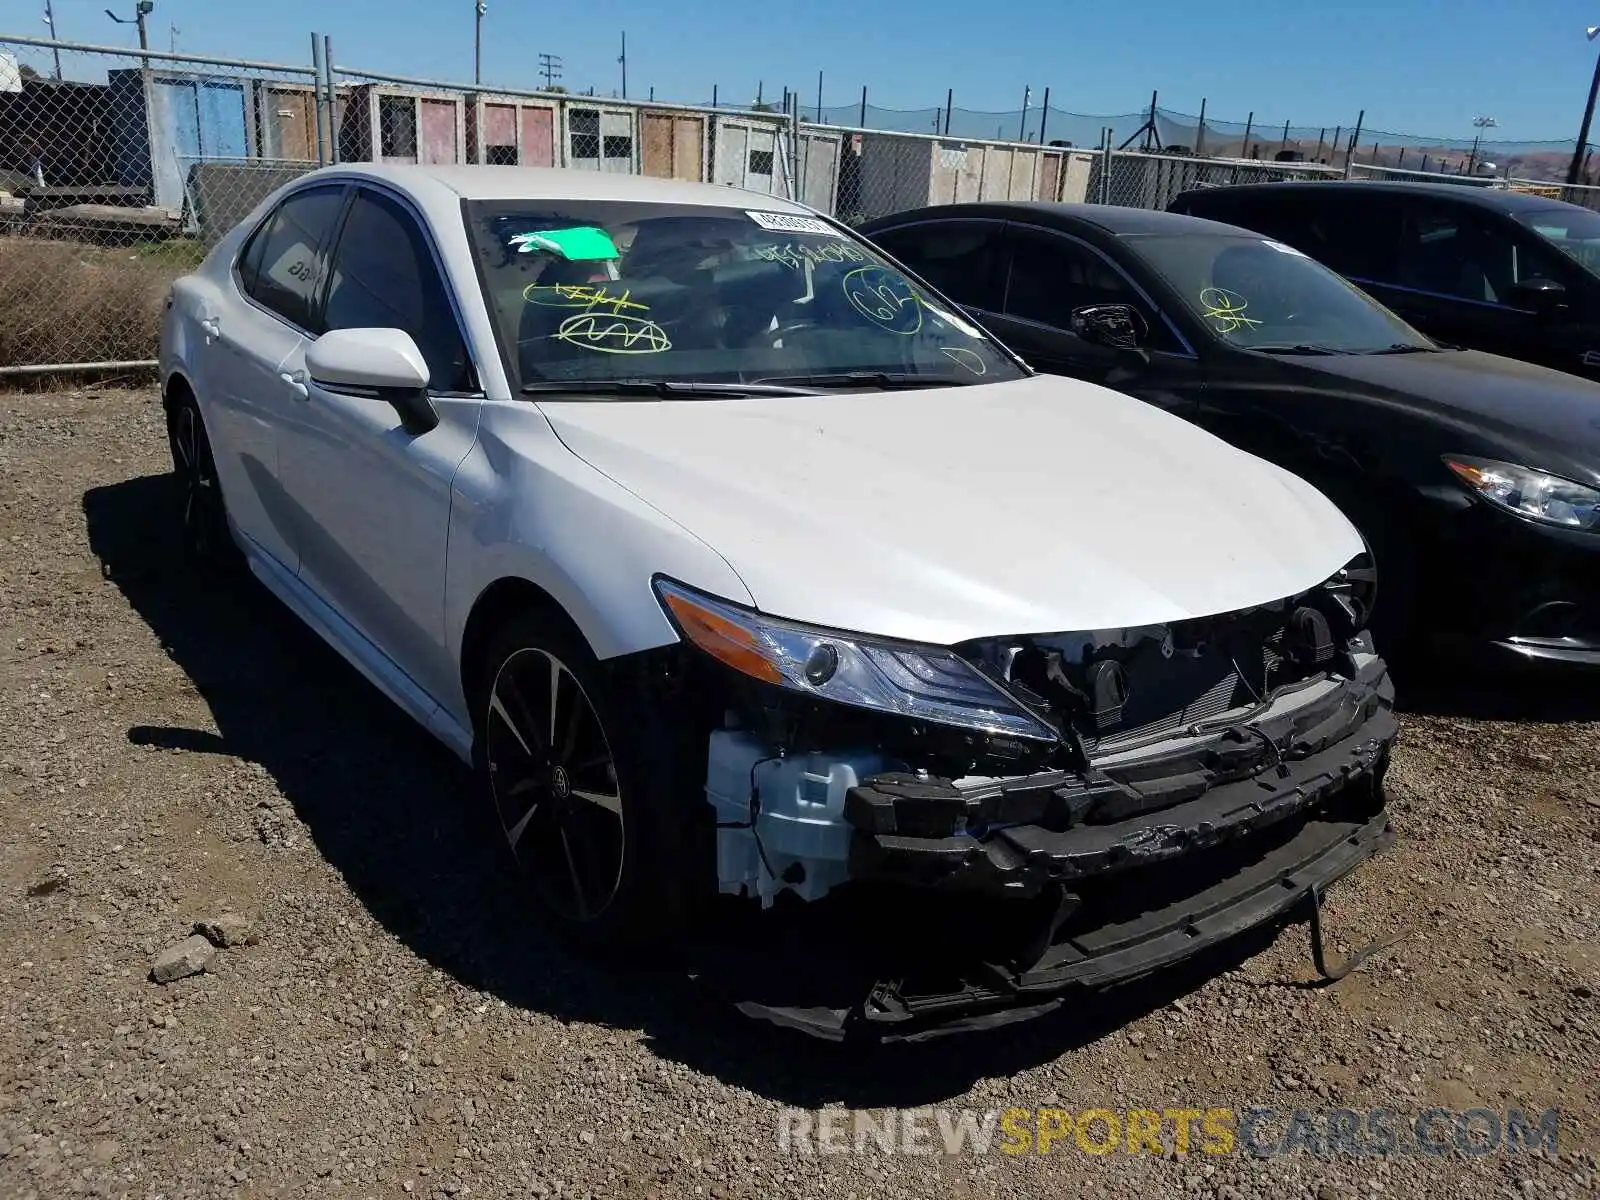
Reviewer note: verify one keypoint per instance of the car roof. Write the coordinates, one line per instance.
(453, 183)
(1111, 219)
(1495, 198)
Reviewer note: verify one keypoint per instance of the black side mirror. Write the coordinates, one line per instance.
(1115, 326)
(1542, 296)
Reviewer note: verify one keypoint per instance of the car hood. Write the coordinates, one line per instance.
(1038, 505)
(1505, 396)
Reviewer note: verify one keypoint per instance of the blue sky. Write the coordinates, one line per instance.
(1416, 66)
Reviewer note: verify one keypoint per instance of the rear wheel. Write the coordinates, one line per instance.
(582, 785)
(203, 513)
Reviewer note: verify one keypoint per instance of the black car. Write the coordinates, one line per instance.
(1475, 478)
(1508, 272)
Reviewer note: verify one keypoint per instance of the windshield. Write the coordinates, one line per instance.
(615, 290)
(1261, 295)
(1573, 231)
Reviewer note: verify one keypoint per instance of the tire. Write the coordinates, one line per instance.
(597, 829)
(1393, 618)
(203, 514)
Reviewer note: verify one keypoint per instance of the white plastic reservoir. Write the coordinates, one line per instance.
(800, 826)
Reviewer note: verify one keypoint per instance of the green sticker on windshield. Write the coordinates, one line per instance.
(582, 243)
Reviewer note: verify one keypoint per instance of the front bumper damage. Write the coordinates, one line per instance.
(973, 903)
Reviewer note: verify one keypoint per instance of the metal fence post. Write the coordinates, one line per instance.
(1355, 140)
(319, 100)
(796, 190)
(334, 155)
(1105, 166)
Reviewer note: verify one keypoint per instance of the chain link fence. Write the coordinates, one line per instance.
(120, 168)
(860, 174)
(117, 170)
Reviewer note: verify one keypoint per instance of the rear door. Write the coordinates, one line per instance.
(252, 327)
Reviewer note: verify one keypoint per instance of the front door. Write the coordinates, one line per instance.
(1453, 279)
(373, 498)
(1049, 274)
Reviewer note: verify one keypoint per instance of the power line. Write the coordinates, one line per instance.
(550, 68)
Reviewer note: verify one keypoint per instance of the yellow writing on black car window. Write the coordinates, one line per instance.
(614, 333)
(580, 295)
(885, 298)
(1226, 310)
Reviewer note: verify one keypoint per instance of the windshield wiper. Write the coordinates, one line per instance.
(1296, 349)
(885, 380)
(1404, 348)
(661, 389)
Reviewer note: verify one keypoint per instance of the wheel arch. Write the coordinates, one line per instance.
(505, 598)
(175, 389)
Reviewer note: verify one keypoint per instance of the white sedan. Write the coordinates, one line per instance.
(739, 562)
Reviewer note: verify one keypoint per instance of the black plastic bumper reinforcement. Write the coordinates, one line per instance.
(1006, 921)
(1032, 833)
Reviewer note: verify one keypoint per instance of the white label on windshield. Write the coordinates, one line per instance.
(791, 223)
(1282, 249)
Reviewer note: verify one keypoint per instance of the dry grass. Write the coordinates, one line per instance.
(63, 302)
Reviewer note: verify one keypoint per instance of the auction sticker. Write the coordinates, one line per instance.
(792, 223)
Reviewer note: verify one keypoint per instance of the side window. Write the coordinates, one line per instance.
(1355, 236)
(1051, 275)
(1345, 233)
(960, 258)
(282, 266)
(1458, 252)
(383, 277)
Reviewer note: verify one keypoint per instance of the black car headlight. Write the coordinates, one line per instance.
(1538, 495)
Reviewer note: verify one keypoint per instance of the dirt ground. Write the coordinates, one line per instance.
(171, 749)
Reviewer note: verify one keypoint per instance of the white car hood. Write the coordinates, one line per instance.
(1039, 505)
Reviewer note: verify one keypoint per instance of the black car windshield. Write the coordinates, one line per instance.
(588, 290)
(1573, 231)
(1258, 294)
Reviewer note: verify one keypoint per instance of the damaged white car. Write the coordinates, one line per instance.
(741, 564)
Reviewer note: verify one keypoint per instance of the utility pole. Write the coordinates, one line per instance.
(550, 68)
(141, 10)
(1582, 147)
(50, 20)
(1482, 123)
(623, 59)
(479, 8)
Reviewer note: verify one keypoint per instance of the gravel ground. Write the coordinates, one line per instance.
(385, 1020)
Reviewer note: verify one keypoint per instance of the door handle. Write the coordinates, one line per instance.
(297, 384)
(211, 326)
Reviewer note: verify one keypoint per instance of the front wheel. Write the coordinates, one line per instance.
(582, 785)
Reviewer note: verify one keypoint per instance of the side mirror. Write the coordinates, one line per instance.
(375, 364)
(1542, 296)
(1115, 326)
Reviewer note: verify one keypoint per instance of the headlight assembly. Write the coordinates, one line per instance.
(1529, 493)
(928, 683)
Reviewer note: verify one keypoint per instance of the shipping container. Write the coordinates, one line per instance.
(509, 131)
(675, 144)
(398, 125)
